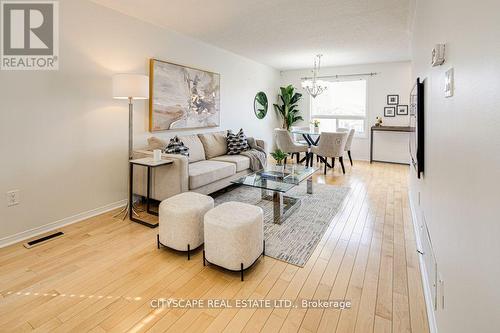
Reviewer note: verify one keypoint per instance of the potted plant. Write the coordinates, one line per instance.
(288, 108)
(279, 156)
(315, 124)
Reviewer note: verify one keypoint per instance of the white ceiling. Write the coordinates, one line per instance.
(286, 34)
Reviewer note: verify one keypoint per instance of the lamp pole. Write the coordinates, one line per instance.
(130, 128)
(130, 86)
(125, 209)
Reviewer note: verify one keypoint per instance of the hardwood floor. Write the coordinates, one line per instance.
(101, 276)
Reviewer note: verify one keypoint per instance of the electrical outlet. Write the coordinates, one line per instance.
(419, 198)
(13, 198)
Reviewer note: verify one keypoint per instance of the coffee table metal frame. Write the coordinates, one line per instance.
(283, 205)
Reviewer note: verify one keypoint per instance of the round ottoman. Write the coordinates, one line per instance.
(181, 221)
(234, 236)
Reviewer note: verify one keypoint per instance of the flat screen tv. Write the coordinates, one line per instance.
(417, 127)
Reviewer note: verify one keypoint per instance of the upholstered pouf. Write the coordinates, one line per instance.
(181, 221)
(234, 236)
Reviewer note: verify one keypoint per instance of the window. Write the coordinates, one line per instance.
(342, 104)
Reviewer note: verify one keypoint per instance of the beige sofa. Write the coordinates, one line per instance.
(207, 169)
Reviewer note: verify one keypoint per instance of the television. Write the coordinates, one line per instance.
(417, 127)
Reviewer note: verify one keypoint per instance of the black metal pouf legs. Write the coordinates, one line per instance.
(263, 254)
(241, 270)
(158, 244)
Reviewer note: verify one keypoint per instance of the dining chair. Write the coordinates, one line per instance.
(285, 143)
(331, 144)
(349, 140)
(298, 138)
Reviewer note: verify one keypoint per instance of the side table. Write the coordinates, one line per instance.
(149, 163)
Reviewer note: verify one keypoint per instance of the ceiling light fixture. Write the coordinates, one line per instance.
(313, 86)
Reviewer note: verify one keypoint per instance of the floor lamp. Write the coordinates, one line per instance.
(130, 87)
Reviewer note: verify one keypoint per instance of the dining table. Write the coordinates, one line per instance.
(312, 138)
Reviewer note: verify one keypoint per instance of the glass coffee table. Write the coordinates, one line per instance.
(274, 183)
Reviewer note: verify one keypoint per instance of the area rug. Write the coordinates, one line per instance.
(295, 239)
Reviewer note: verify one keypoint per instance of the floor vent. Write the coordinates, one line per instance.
(42, 240)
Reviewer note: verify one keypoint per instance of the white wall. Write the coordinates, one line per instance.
(393, 78)
(460, 190)
(64, 139)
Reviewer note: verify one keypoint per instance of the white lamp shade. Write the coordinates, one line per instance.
(135, 86)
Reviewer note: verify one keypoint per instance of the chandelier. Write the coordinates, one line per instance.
(314, 87)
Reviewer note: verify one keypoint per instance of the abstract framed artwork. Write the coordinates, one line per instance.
(390, 111)
(392, 99)
(402, 110)
(182, 97)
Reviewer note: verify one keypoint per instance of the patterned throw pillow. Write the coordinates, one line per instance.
(176, 146)
(236, 143)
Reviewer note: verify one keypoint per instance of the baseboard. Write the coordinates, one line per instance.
(390, 162)
(425, 282)
(12, 239)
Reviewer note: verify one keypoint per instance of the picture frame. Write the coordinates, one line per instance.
(402, 110)
(389, 111)
(392, 99)
(182, 97)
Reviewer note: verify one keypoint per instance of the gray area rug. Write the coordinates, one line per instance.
(296, 238)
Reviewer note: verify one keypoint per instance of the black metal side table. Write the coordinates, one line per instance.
(149, 163)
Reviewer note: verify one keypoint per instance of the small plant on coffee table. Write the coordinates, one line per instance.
(279, 156)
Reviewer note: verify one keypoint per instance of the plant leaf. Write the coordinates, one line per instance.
(288, 109)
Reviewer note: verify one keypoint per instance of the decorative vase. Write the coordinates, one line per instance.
(316, 129)
(280, 167)
(157, 155)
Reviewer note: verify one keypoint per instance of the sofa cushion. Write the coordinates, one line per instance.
(242, 162)
(156, 143)
(206, 172)
(196, 151)
(215, 144)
